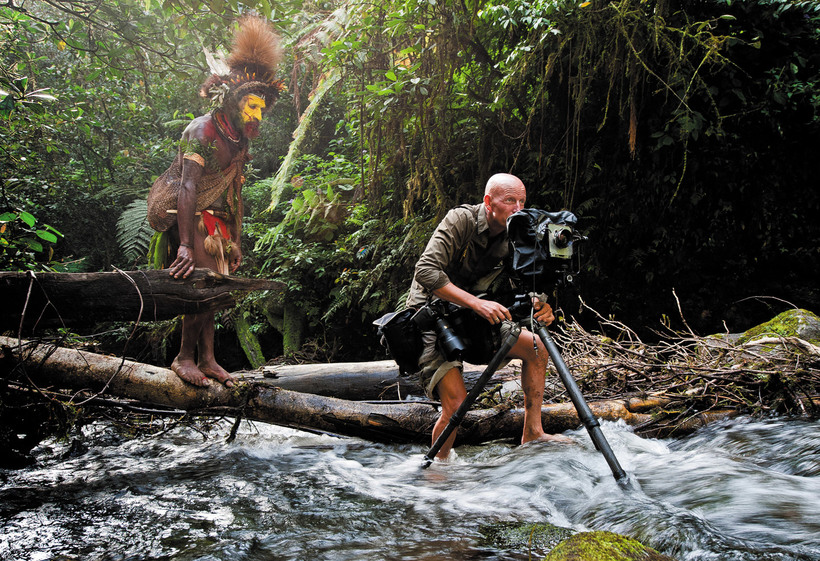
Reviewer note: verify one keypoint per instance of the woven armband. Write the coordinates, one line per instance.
(194, 157)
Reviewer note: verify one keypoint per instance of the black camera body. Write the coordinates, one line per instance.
(546, 247)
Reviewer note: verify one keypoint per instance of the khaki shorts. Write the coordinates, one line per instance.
(434, 366)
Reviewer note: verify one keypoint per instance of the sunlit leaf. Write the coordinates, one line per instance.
(27, 218)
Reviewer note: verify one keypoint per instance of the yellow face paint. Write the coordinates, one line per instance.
(250, 108)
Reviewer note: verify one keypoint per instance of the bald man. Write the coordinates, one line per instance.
(466, 254)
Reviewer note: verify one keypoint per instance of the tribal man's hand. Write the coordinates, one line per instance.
(184, 264)
(235, 257)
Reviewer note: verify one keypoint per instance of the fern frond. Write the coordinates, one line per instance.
(133, 231)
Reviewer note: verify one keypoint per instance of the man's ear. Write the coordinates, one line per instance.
(487, 200)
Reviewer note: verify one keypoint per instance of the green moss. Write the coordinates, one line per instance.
(603, 546)
(294, 324)
(250, 344)
(792, 323)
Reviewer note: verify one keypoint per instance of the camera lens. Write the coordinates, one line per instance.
(562, 238)
(451, 344)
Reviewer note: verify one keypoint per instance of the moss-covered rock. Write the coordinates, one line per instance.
(792, 323)
(603, 546)
(524, 537)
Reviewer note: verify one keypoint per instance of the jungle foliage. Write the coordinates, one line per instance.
(681, 132)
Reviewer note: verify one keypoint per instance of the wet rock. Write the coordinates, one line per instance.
(603, 546)
(539, 537)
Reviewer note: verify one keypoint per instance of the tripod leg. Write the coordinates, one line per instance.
(584, 412)
(458, 416)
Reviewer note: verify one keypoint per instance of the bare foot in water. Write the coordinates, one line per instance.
(188, 371)
(550, 438)
(213, 370)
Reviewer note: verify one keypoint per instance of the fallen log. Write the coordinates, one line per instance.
(78, 299)
(376, 380)
(46, 365)
(358, 381)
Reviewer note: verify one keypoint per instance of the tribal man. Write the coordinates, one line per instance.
(198, 200)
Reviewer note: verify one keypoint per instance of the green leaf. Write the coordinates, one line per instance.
(27, 218)
(8, 217)
(48, 236)
(33, 244)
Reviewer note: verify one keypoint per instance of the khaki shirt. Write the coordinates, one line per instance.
(462, 252)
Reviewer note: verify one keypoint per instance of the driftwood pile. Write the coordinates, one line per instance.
(772, 368)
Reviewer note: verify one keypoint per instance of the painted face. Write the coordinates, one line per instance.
(250, 113)
(250, 108)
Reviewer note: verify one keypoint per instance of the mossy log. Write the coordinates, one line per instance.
(49, 366)
(76, 299)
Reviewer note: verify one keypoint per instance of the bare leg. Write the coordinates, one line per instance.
(452, 393)
(198, 334)
(184, 365)
(533, 376)
(207, 361)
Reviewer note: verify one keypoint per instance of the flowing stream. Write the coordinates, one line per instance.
(746, 490)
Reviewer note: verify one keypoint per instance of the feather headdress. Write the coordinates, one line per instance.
(250, 67)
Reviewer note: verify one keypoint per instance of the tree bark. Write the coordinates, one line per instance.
(358, 381)
(410, 422)
(57, 299)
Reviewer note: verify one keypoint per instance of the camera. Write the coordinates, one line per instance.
(435, 316)
(546, 246)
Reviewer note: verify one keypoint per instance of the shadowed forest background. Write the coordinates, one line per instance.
(684, 135)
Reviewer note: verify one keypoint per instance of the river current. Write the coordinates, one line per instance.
(744, 490)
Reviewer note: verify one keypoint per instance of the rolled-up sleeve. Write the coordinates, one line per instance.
(451, 235)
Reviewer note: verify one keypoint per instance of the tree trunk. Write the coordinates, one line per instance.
(57, 299)
(248, 341)
(359, 381)
(47, 365)
(293, 328)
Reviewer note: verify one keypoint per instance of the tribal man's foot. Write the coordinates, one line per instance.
(188, 371)
(213, 370)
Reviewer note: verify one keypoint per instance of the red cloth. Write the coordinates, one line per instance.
(212, 222)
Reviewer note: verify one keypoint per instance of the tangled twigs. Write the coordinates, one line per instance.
(700, 373)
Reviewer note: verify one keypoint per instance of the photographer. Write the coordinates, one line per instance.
(466, 254)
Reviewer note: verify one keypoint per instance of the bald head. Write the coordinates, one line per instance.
(504, 195)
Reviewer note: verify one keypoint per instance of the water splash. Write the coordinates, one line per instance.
(740, 490)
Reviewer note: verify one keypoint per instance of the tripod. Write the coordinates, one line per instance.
(584, 412)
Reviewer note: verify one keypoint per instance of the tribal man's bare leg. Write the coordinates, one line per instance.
(184, 364)
(207, 361)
